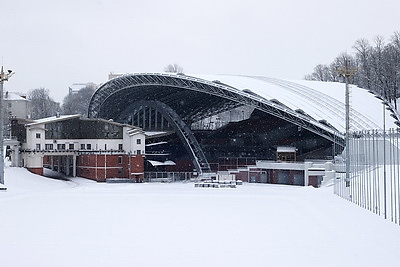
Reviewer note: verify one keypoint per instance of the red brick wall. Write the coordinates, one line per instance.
(313, 180)
(46, 160)
(101, 167)
(137, 166)
(181, 166)
(242, 175)
(38, 171)
(275, 178)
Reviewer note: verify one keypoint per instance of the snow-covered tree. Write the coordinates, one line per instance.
(377, 65)
(174, 68)
(78, 103)
(42, 105)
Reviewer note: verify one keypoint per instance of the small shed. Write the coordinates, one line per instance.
(285, 153)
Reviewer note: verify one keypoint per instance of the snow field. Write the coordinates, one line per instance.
(47, 222)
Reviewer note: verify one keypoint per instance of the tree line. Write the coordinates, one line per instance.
(42, 105)
(377, 67)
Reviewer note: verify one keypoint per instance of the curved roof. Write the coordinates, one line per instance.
(317, 106)
(320, 100)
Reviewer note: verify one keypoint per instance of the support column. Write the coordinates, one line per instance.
(67, 166)
(52, 162)
(74, 166)
(149, 118)
(15, 157)
(155, 119)
(138, 118)
(144, 117)
(105, 166)
(307, 165)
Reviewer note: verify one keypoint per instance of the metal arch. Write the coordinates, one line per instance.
(212, 88)
(183, 131)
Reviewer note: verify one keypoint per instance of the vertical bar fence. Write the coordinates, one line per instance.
(374, 172)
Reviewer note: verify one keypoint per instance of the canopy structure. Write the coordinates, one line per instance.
(177, 102)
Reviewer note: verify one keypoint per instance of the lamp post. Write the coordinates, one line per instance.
(347, 72)
(3, 77)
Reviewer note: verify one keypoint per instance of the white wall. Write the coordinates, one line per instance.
(31, 137)
(130, 142)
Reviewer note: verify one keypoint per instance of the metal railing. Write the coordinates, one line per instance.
(374, 172)
(167, 177)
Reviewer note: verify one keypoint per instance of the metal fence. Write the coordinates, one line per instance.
(167, 177)
(374, 172)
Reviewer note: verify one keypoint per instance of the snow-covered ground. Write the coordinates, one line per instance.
(45, 222)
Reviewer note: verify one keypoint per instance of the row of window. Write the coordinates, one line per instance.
(83, 146)
(72, 147)
(138, 141)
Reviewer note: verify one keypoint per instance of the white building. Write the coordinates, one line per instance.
(16, 105)
(93, 148)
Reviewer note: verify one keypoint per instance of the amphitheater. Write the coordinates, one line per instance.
(213, 123)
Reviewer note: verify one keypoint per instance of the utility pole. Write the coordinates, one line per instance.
(347, 72)
(3, 77)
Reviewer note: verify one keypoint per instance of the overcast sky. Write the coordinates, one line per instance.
(53, 44)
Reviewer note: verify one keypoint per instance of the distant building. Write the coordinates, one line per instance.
(91, 148)
(16, 105)
(285, 153)
(114, 75)
(75, 87)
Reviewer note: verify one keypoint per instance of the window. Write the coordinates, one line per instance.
(120, 147)
(82, 146)
(37, 135)
(61, 146)
(120, 160)
(37, 146)
(138, 152)
(48, 146)
(138, 141)
(89, 146)
(71, 146)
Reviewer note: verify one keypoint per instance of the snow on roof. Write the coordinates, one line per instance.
(156, 144)
(53, 119)
(132, 131)
(286, 149)
(14, 96)
(323, 101)
(159, 163)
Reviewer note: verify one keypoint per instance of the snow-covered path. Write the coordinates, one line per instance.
(45, 222)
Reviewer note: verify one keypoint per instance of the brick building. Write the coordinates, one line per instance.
(92, 148)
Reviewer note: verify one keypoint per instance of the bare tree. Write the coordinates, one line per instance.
(323, 73)
(173, 68)
(363, 56)
(378, 66)
(42, 105)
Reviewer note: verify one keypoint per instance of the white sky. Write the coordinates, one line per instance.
(53, 44)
